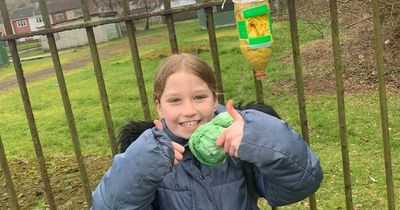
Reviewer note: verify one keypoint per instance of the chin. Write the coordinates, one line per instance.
(184, 135)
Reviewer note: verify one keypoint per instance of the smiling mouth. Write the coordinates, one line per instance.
(192, 123)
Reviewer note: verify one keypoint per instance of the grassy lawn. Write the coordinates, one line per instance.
(362, 109)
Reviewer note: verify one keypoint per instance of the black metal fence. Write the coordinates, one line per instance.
(168, 14)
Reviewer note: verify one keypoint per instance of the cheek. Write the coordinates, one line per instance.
(210, 113)
(168, 113)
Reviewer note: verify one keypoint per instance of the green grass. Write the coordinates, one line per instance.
(362, 109)
(29, 45)
(32, 53)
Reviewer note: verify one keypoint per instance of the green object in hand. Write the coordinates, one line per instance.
(202, 142)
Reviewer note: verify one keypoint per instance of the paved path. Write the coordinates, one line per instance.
(11, 82)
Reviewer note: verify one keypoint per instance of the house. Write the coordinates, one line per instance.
(63, 10)
(12, 5)
(26, 19)
(78, 37)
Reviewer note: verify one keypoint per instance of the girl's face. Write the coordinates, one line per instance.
(186, 103)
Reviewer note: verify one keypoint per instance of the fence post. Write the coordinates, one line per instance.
(383, 103)
(67, 104)
(340, 104)
(100, 79)
(28, 107)
(299, 81)
(259, 89)
(169, 19)
(8, 177)
(130, 27)
(214, 52)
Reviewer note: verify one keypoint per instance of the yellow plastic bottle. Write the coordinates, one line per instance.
(255, 33)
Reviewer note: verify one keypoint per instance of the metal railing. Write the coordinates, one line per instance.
(168, 13)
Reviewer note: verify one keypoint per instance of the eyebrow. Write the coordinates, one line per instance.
(177, 93)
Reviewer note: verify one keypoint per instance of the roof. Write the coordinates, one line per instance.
(56, 6)
(24, 12)
(102, 2)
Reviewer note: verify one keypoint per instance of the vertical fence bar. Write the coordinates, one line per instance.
(340, 103)
(214, 52)
(8, 178)
(28, 107)
(100, 79)
(130, 27)
(259, 89)
(66, 102)
(169, 19)
(299, 81)
(383, 103)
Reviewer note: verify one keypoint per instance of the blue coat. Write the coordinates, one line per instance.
(285, 169)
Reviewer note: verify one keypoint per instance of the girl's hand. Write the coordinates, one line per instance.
(231, 137)
(178, 149)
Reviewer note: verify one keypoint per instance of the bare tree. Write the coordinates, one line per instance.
(147, 26)
(104, 5)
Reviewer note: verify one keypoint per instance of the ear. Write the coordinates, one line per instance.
(215, 105)
(158, 106)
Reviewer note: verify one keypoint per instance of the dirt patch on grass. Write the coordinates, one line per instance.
(64, 177)
(358, 66)
(357, 53)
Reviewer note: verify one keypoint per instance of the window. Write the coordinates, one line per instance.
(21, 23)
(39, 19)
(59, 16)
(77, 13)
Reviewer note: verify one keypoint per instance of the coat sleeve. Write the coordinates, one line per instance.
(134, 176)
(286, 170)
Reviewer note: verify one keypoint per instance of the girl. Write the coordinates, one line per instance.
(158, 171)
(133, 129)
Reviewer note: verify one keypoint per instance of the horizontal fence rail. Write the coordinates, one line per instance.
(168, 14)
(164, 12)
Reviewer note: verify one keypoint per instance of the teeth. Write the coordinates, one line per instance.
(190, 123)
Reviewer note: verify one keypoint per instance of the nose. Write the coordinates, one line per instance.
(189, 109)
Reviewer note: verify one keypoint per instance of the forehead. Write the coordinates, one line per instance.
(182, 81)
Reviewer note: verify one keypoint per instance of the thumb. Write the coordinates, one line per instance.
(232, 112)
(158, 124)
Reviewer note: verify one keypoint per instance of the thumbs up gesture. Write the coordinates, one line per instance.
(231, 137)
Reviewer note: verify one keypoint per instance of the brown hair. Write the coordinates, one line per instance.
(183, 62)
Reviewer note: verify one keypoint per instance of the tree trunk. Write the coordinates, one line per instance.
(110, 6)
(147, 26)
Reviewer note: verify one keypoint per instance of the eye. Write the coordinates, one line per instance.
(200, 97)
(174, 100)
